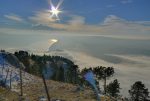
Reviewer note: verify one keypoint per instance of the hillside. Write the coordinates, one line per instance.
(57, 90)
(33, 87)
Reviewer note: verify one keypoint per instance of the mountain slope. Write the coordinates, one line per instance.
(9, 73)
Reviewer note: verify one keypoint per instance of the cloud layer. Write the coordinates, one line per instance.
(136, 69)
(112, 26)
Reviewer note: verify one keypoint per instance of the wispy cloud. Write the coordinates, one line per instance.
(14, 17)
(76, 23)
(42, 17)
(112, 26)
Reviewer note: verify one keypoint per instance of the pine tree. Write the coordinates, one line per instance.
(113, 88)
(138, 92)
(103, 73)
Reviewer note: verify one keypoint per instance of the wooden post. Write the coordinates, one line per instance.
(10, 78)
(48, 97)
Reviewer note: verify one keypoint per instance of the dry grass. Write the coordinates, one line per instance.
(7, 95)
(57, 90)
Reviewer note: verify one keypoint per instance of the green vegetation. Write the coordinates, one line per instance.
(101, 73)
(139, 92)
(113, 88)
(35, 64)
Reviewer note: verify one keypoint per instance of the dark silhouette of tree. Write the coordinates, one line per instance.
(2, 50)
(85, 70)
(72, 74)
(24, 57)
(103, 73)
(138, 92)
(113, 88)
(75, 73)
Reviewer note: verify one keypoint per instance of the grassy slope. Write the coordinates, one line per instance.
(57, 90)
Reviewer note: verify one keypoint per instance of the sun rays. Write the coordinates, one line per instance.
(54, 10)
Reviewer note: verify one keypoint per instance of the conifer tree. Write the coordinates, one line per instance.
(139, 92)
(113, 88)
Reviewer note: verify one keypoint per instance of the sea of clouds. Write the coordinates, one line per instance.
(130, 65)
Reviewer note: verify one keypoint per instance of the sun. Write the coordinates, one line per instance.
(54, 10)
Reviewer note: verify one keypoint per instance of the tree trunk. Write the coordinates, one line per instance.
(137, 95)
(105, 85)
(48, 97)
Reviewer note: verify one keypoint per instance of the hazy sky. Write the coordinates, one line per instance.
(25, 20)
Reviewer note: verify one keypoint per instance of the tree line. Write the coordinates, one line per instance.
(36, 64)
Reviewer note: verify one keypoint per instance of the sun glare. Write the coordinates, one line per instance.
(54, 40)
(55, 10)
